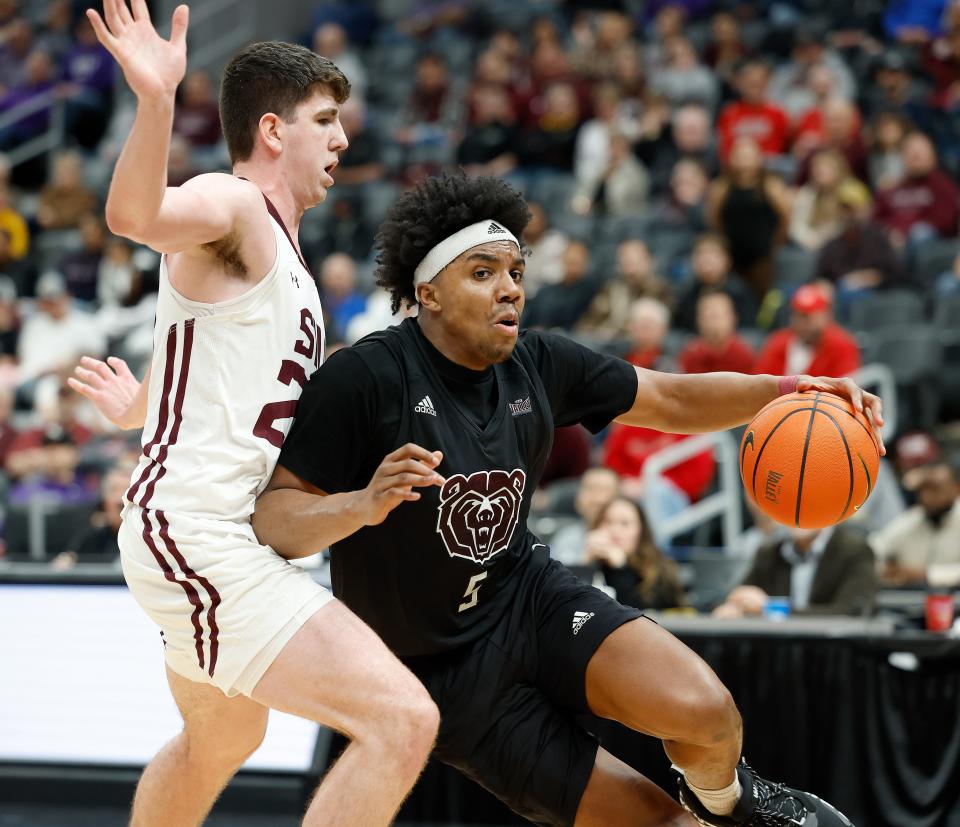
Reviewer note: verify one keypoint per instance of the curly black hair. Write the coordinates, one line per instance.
(434, 210)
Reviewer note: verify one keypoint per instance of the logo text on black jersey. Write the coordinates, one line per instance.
(478, 514)
(521, 406)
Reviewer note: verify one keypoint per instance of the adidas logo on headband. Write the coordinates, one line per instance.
(457, 244)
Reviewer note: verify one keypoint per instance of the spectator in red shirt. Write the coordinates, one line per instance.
(813, 343)
(627, 450)
(752, 116)
(924, 204)
(718, 347)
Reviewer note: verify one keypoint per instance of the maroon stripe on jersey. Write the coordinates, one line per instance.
(276, 216)
(164, 412)
(212, 593)
(177, 413)
(192, 596)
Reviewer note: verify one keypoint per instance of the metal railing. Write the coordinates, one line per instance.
(217, 29)
(54, 100)
(725, 502)
(878, 378)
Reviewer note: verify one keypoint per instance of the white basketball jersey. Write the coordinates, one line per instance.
(224, 387)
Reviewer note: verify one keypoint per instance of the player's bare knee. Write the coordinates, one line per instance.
(407, 731)
(705, 713)
(718, 719)
(229, 747)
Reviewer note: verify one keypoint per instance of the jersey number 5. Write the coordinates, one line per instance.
(290, 371)
(472, 588)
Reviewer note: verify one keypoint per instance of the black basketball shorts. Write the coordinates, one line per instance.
(508, 702)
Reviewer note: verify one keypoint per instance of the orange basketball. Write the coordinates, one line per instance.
(809, 460)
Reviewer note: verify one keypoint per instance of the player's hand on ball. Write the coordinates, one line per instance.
(152, 66)
(110, 386)
(393, 482)
(869, 404)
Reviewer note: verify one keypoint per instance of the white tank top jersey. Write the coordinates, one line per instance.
(224, 387)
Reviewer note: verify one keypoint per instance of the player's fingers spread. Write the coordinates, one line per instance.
(107, 40)
(140, 10)
(89, 377)
(78, 386)
(124, 12)
(415, 466)
(111, 11)
(413, 451)
(120, 367)
(877, 433)
(178, 25)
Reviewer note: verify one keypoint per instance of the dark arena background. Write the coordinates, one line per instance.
(762, 186)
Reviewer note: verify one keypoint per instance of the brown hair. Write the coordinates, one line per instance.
(646, 559)
(271, 76)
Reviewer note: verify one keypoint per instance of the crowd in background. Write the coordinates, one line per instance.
(761, 186)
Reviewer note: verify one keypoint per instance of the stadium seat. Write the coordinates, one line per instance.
(914, 354)
(793, 266)
(891, 308)
(933, 258)
(40, 531)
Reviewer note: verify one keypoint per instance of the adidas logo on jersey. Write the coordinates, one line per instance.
(579, 618)
(425, 406)
(495, 228)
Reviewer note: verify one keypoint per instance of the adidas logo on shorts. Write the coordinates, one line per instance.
(494, 228)
(425, 406)
(579, 618)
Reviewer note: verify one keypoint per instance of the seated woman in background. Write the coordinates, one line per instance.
(621, 543)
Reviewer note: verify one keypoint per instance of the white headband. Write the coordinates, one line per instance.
(447, 250)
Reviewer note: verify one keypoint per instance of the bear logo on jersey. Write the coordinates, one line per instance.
(478, 514)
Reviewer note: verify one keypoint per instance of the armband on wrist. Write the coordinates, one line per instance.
(788, 384)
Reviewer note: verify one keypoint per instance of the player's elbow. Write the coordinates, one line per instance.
(120, 222)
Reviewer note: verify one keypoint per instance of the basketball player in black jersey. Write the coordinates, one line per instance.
(446, 421)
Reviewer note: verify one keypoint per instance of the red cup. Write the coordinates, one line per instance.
(939, 612)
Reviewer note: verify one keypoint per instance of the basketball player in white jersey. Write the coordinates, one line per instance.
(238, 332)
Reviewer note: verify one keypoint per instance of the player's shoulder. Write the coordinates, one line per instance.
(223, 186)
(370, 361)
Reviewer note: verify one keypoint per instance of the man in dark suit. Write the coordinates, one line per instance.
(826, 571)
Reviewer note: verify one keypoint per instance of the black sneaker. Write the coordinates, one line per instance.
(763, 804)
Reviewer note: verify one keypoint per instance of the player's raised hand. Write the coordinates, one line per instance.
(152, 66)
(393, 482)
(869, 404)
(111, 387)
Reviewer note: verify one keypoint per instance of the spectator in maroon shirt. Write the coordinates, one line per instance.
(813, 343)
(924, 204)
(942, 62)
(718, 347)
(197, 116)
(753, 116)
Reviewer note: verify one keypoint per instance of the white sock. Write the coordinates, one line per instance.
(719, 802)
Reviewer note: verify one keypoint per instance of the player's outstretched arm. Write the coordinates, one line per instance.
(297, 519)
(700, 403)
(113, 389)
(140, 206)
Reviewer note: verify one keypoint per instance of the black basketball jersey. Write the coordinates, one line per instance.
(439, 572)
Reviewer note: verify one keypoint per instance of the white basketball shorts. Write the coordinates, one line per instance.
(225, 604)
